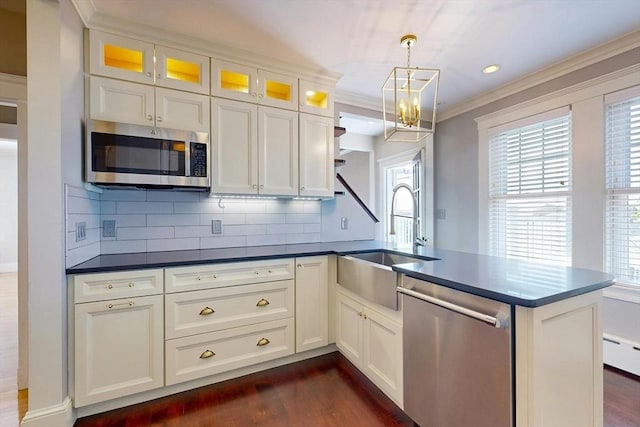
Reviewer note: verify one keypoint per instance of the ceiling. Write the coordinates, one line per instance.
(359, 39)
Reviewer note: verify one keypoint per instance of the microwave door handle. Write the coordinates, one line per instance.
(187, 158)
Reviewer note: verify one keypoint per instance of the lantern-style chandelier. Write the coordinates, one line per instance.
(404, 94)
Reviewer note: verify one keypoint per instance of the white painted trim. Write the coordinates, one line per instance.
(13, 87)
(399, 157)
(623, 292)
(621, 353)
(573, 63)
(9, 267)
(358, 100)
(601, 85)
(596, 87)
(86, 9)
(60, 415)
(622, 95)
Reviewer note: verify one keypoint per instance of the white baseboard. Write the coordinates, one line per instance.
(621, 353)
(52, 416)
(9, 267)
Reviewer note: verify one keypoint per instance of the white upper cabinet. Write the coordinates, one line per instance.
(129, 59)
(181, 70)
(249, 84)
(119, 101)
(126, 102)
(234, 151)
(316, 156)
(316, 98)
(277, 151)
(254, 150)
(121, 57)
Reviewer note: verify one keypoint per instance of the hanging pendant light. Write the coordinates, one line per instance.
(404, 94)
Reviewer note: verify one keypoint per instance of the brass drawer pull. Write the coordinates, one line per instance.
(206, 311)
(207, 354)
(110, 285)
(262, 303)
(263, 342)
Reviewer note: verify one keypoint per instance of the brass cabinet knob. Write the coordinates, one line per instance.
(109, 286)
(262, 303)
(148, 73)
(207, 311)
(256, 272)
(207, 354)
(214, 276)
(262, 342)
(149, 117)
(159, 118)
(198, 278)
(131, 285)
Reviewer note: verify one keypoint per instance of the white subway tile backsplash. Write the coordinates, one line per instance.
(79, 205)
(132, 195)
(271, 239)
(107, 208)
(172, 244)
(243, 230)
(222, 242)
(303, 218)
(193, 231)
(132, 220)
(152, 221)
(139, 233)
(264, 218)
(144, 207)
(228, 219)
(122, 246)
(312, 228)
(173, 196)
(285, 228)
(177, 219)
(303, 238)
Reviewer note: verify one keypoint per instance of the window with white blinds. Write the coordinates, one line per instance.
(622, 219)
(530, 191)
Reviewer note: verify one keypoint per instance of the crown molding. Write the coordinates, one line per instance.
(96, 20)
(358, 100)
(599, 53)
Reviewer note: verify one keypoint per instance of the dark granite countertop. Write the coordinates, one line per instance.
(509, 281)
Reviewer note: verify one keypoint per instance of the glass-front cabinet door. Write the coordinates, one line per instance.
(277, 90)
(234, 81)
(316, 98)
(121, 57)
(177, 69)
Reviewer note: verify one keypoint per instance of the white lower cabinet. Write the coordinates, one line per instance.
(312, 302)
(201, 355)
(372, 342)
(118, 348)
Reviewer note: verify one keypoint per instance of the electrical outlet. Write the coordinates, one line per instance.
(216, 226)
(81, 231)
(344, 223)
(109, 228)
(441, 214)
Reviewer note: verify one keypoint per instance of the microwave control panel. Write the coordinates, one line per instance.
(198, 159)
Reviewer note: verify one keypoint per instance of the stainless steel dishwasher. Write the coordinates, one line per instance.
(457, 357)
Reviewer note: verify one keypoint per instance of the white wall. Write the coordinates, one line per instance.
(8, 207)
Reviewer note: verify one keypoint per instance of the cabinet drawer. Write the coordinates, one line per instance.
(189, 313)
(208, 354)
(121, 284)
(219, 275)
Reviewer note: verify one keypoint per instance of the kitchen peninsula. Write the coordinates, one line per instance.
(556, 346)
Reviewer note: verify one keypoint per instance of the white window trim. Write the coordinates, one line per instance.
(383, 164)
(587, 103)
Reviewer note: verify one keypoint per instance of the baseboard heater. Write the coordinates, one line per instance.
(621, 353)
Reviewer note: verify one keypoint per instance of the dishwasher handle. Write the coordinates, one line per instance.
(493, 321)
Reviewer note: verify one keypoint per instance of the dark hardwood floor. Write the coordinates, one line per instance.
(324, 391)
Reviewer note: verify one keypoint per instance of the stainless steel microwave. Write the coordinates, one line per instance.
(145, 156)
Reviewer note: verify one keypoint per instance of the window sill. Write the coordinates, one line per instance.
(623, 292)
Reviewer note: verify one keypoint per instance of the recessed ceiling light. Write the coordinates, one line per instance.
(489, 69)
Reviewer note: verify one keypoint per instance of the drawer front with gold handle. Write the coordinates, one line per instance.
(200, 277)
(120, 284)
(190, 313)
(207, 311)
(187, 358)
(207, 354)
